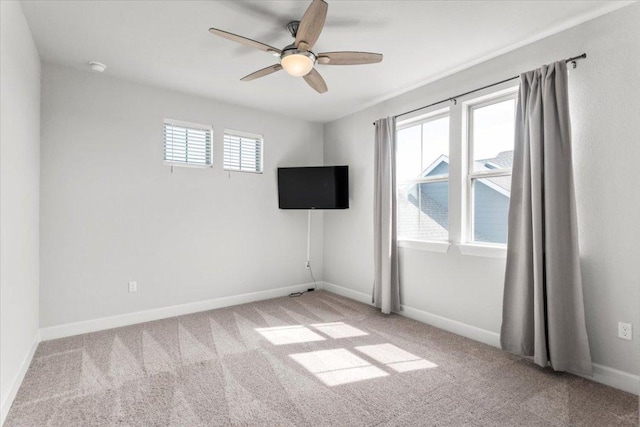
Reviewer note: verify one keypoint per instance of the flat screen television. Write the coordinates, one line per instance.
(318, 187)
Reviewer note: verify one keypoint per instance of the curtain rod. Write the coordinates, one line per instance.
(453, 98)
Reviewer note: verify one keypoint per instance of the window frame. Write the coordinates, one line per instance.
(467, 235)
(419, 120)
(243, 134)
(189, 125)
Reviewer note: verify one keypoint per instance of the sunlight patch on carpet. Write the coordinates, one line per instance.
(339, 330)
(395, 358)
(295, 334)
(338, 366)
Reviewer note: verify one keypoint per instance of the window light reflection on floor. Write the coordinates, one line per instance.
(293, 334)
(339, 330)
(396, 358)
(338, 366)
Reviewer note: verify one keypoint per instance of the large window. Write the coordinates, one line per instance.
(186, 144)
(453, 174)
(242, 151)
(422, 177)
(490, 158)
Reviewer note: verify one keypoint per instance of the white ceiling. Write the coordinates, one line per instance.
(166, 43)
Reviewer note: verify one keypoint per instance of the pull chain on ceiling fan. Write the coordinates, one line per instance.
(298, 59)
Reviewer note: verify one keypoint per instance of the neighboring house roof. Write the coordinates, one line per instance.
(432, 166)
(504, 159)
(414, 223)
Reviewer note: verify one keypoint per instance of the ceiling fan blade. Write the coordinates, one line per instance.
(245, 41)
(311, 24)
(261, 73)
(349, 58)
(315, 80)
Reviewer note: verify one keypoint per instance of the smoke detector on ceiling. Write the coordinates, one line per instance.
(97, 66)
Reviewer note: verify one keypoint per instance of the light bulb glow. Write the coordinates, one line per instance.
(298, 63)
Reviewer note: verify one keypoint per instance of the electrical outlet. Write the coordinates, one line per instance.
(625, 331)
(133, 286)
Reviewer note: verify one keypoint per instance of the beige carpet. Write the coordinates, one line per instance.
(317, 360)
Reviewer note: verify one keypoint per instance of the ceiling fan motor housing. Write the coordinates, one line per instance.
(292, 27)
(293, 50)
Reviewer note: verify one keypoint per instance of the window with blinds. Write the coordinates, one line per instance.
(242, 151)
(187, 144)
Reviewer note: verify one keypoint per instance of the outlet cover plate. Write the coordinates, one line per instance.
(133, 286)
(625, 331)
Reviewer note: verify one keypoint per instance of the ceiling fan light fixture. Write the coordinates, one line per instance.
(297, 62)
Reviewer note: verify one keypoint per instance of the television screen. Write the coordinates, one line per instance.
(321, 187)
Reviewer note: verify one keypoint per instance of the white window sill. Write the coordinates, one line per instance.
(485, 250)
(420, 245)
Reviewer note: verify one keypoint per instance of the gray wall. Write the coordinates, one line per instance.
(113, 212)
(605, 101)
(19, 193)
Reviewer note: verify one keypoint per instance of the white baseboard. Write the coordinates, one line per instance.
(7, 401)
(348, 293)
(614, 378)
(601, 374)
(93, 325)
(453, 326)
(440, 322)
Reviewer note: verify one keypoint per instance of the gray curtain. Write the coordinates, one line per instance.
(543, 309)
(386, 288)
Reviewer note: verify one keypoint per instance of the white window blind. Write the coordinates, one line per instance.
(242, 151)
(187, 143)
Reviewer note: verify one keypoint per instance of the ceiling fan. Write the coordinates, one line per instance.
(298, 59)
